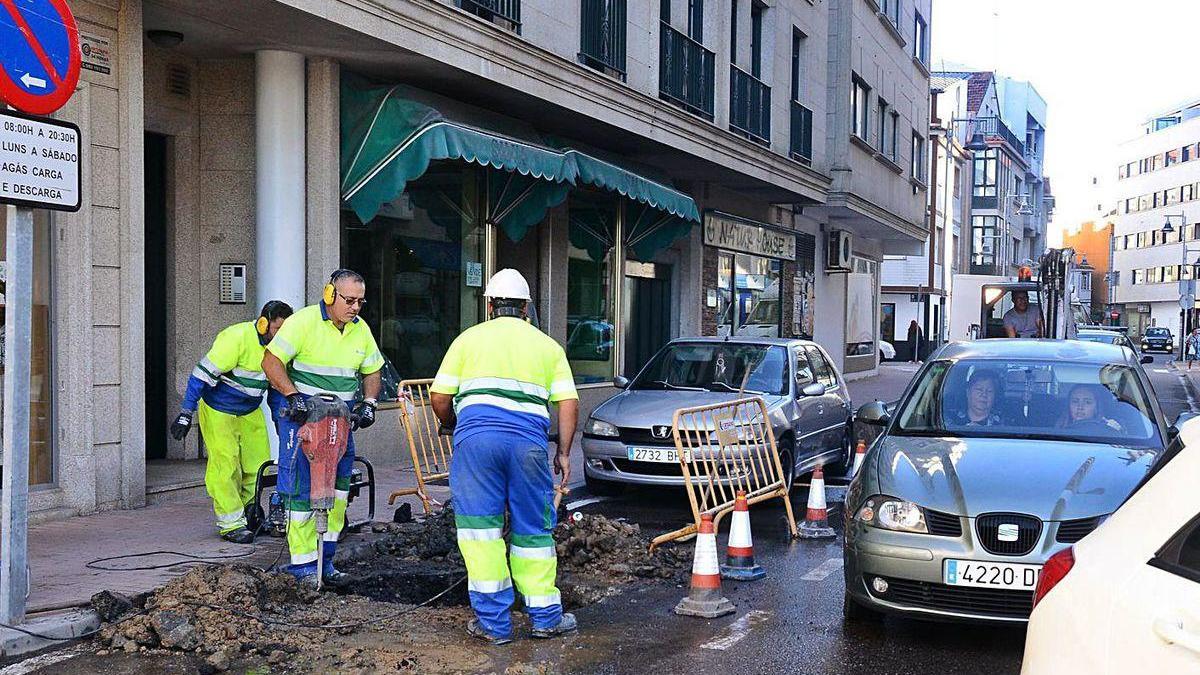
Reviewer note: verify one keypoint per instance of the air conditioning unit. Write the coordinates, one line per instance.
(837, 256)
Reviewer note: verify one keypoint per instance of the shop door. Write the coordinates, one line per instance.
(156, 296)
(525, 257)
(648, 313)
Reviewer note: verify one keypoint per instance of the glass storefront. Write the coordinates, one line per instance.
(862, 299)
(423, 260)
(41, 446)
(748, 295)
(590, 289)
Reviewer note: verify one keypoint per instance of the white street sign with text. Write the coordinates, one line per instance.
(39, 162)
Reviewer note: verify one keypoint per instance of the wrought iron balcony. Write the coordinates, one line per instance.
(749, 105)
(686, 72)
(506, 13)
(602, 36)
(994, 127)
(801, 144)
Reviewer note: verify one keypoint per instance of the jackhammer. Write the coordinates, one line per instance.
(323, 439)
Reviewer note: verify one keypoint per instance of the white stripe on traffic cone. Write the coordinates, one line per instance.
(739, 550)
(859, 453)
(704, 598)
(816, 521)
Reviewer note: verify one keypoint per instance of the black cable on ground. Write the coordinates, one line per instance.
(89, 633)
(189, 559)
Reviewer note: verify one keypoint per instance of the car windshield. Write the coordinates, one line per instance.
(1100, 337)
(1157, 332)
(1098, 403)
(717, 366)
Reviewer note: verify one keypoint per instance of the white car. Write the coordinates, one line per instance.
(886, 350)
(1126, 598)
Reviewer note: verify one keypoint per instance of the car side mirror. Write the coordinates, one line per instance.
(873, 414)
(621, 382)
(1146, 358)
(813, 389)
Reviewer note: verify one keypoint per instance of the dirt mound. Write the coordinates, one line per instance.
(597, 545)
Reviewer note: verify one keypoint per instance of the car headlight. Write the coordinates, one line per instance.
(889, 513)
(597, 427)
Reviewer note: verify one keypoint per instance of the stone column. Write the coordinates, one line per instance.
(324, 143)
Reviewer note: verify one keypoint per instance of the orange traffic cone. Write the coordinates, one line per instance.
(739, 552)
(704, 598)
(859, 453)
(816, 521)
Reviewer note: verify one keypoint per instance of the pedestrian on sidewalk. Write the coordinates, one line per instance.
(324, 348)
(226, 388)
(1192, 347)
(915, 337)
(493, 389)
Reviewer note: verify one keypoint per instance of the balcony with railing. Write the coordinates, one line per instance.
(749, 106)
(994, 127)
(506, 13)
(802, 132)
(686, 72)
(602, 37)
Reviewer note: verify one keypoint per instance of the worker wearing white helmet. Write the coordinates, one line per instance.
(494, 388)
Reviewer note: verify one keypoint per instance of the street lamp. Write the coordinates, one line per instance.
(1187, 288)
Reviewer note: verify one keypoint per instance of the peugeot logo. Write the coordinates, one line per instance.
(1007, 532)
(660, 431)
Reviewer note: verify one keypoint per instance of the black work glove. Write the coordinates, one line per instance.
(363, 415)
(296, 408)
(182, 425)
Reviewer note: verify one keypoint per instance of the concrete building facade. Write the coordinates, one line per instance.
(1157, 182)
(706, 160)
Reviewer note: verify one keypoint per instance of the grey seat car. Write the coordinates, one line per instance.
(1000, 454)
(627, 440)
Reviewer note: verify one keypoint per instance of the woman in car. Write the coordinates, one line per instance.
(1084, 410)
(982, 389)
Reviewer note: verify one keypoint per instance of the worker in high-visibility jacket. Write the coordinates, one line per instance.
(494, 387)
(322, 349)
(226, 388)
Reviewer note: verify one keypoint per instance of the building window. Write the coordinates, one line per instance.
(592, 233)
(985, 173)
(887, 321)
(756, 31)
(602, 36)
(506, 13)
(749, 295)
(734, 38)
(891, 10)
(918, 157)
(984, 238)
(957, 181)
(860, 94)
(921, 39)
(798, 42)
(41, 389)
(861, 314)
(893, 151)
(884, 122)
(696, 20)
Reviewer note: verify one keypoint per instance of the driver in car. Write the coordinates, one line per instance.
(982, 388)
(1083, 410)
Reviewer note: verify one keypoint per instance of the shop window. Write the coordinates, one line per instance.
(590, 289)
(861, 313)
(41, 446)
(749, 295)
(422, 258)
(887, 321)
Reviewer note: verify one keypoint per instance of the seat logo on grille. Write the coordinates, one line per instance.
(1007, 532)
(660, 431)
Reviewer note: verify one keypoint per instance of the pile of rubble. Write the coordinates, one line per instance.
(589, 544)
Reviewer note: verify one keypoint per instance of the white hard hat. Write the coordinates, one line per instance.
(507, 283)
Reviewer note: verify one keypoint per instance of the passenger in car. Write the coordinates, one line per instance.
(982, 389)
(1086, 405)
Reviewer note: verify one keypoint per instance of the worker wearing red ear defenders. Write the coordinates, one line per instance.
(225, 391)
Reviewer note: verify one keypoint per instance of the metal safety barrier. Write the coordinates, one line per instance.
(431, 450)
(722, 449)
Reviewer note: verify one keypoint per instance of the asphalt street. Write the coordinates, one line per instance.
(791, 621)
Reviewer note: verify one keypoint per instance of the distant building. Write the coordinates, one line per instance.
(1093, 242)
(1157, 183)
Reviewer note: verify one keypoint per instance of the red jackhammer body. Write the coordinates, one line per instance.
(323, 439)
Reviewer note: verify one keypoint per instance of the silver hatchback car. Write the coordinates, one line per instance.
(627, 440)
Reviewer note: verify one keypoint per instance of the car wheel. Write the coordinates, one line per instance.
(846, 463)
(602, 488)
(787, 459)
(854, 612)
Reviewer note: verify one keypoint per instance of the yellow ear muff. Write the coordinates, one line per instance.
(262, 325)
(328, 295)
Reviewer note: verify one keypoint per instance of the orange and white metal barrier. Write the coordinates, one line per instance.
(431, 451)
(724, 448)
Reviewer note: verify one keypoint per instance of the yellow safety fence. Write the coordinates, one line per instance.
(724, 448)
(431, 451)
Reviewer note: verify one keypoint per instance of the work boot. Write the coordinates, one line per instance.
(475, 630)
(239, 536)
(334, 576)
(565, 625)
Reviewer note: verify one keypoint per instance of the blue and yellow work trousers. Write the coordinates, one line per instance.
(488, 472)
(293, 486)
(237, 446)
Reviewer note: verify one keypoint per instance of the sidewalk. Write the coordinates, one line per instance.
(887, 386)
(59, 550)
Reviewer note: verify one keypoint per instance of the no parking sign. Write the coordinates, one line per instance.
(39, 55)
